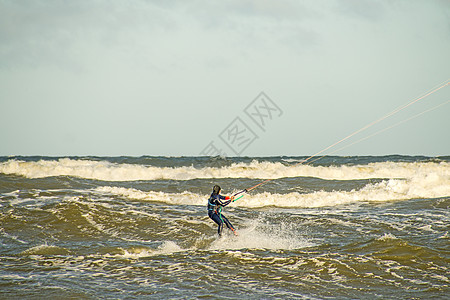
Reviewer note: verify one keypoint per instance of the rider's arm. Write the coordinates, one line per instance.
(224, 203)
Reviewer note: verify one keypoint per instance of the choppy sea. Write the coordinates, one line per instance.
(136, 227)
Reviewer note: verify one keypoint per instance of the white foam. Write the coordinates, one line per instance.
(403, 180)
(257, 236)
(46, 249)
(167, 247)
(103, 170)
(428, 186)
(13, 237)
(186, 198)
(387, 237)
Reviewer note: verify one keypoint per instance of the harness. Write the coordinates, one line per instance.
(215, 207)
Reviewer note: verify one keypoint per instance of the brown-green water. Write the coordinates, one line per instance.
(345, 228)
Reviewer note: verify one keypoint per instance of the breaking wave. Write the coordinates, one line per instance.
(432, 186)
(107, 171)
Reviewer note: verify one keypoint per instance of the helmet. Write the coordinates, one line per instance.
(216, 189)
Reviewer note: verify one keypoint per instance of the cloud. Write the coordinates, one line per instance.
(363, 9)
(64, 33)
(37, 33)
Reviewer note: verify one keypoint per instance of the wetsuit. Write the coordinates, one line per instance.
(215, 204)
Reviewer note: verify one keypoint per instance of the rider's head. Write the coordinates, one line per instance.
(216, 189)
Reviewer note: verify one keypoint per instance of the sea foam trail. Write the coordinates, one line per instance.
(386, 190)
(107, 171)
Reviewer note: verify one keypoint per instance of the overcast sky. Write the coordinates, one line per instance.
(172, 77)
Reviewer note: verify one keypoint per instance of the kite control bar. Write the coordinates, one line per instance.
(243, 191)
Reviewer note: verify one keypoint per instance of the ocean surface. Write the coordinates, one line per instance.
(137, 227)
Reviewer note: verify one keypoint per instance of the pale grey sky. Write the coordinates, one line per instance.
(167, 77)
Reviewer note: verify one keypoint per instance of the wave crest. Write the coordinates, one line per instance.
(432, 186)
(107, 171)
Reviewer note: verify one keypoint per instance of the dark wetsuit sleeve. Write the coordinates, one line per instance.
(219, 199)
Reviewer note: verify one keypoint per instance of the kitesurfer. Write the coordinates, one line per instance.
(215, 204)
